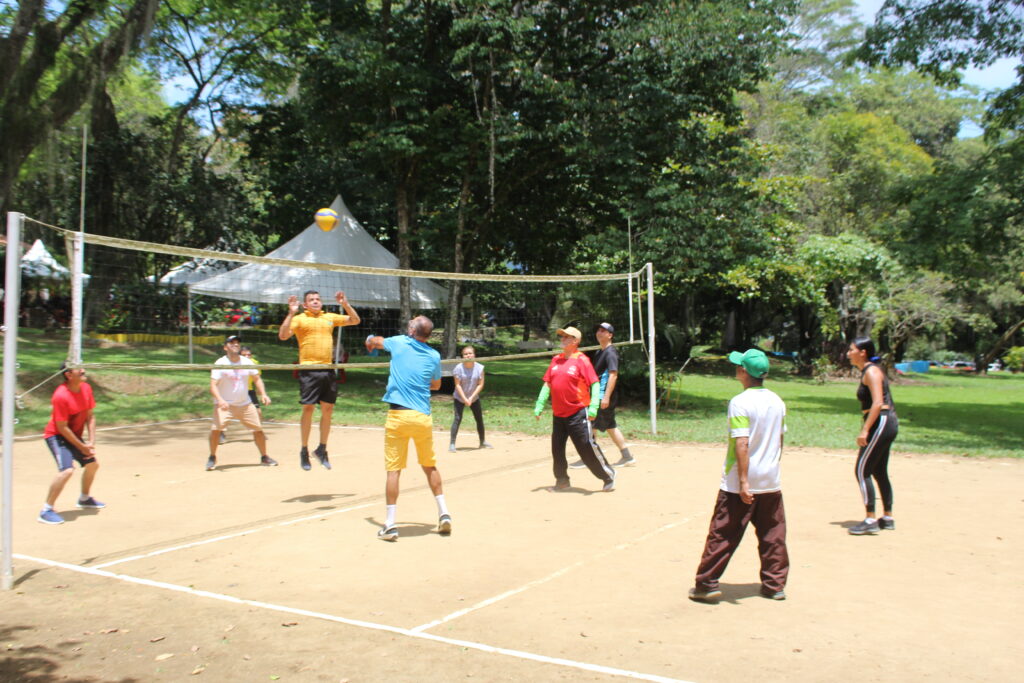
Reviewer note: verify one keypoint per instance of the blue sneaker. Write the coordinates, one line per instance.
(321, 455)
(90, 503)
(50, 517)
(304, 458)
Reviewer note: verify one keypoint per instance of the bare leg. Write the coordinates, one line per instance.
(88, 474)
(434, 479)
(617, 438)
(57, 485)
(214, 441)
(391, 488)
(326, 411)
(260, 439)
(306, 424)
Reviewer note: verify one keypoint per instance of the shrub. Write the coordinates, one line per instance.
(1014, 358)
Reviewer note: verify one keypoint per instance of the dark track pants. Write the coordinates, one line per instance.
(578, 428)
(729, 521)
(873, 461)
(478, 415)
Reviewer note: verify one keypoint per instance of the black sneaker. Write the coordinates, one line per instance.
(304, 458)
(211, 463)
(578, 465)
(267, 461)
(863, 528)
(388, 534)
(444, 525)
(625, 461)
(321, 455)
(773, 595)
(889, 524)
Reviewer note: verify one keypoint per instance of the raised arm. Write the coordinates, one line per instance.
(353, 317)
(284, 333)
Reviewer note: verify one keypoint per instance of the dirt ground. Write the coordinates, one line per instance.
(250, 573)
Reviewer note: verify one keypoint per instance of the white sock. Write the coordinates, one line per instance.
(442, 509)
(887, 517)
(389, 520)
(47, 506)
(869, 520)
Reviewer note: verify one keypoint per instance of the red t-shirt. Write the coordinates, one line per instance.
(570, 380)
(70, 407)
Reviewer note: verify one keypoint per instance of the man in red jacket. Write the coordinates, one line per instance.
(72, 413)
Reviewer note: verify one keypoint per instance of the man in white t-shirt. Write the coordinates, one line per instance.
(751, 488)
(230, 390)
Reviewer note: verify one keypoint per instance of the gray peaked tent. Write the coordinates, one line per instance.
(349, 244)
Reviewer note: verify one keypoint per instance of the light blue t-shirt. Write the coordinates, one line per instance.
(414, 365)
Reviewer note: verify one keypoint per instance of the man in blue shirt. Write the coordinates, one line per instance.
(415, 371)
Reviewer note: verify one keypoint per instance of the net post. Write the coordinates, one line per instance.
(77, 268)
(652, 370)
(12, 297)
(629, 304)
(188, 313)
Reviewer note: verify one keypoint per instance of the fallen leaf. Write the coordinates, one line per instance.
(109, 630)
(62, 585)
(166, 655)
(198, 670)
(195, 648)
(246, 657)
(229, 628)
(290, 623)
(157, 639)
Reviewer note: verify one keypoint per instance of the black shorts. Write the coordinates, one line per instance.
(317, 386)
(605, 419)
(63, 453)
(255, 400)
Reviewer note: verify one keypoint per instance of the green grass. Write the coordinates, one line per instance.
(939, 412)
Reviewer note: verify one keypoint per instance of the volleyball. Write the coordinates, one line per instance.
(326, 219)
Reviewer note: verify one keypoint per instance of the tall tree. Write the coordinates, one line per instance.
(51, 64)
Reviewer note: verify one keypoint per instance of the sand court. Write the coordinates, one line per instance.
(576, 585)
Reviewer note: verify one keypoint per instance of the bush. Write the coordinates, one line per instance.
(822, 367)
(1014, 359)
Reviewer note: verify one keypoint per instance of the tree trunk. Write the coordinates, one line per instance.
(993, 352)
(25, 119)
(404, 203)
(451, 328)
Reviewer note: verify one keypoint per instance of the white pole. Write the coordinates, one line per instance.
(189, 313)
(629, 305)
(12, 297)
(629, 237)
(78, 261)
(652, 369)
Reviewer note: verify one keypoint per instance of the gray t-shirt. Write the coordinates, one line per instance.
(468, 378)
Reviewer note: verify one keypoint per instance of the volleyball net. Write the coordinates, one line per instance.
(174, 306)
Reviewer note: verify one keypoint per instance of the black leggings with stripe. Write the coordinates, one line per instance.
(873, 461)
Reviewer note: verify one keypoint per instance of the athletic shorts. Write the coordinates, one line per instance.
(64, 453)
(247, 415)
(317, 386)
(401, 426)
(605, 419)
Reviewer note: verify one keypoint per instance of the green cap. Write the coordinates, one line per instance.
(753, 361)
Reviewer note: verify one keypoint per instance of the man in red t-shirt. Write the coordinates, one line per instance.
(72, 413)
(575, 393)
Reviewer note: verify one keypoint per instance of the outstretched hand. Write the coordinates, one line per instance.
(293, 304)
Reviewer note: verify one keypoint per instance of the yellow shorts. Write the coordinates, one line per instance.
(247, 415)
(401, 426)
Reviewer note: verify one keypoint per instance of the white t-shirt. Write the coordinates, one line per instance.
(233, 383)
(760, 415)
(467, 378)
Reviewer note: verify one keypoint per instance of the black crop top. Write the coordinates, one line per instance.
(864, 392)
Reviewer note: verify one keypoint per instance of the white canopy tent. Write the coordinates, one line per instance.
(195, 270)
(348, 244)
(39, 262)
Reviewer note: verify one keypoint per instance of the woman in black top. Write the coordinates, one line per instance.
(875, 438)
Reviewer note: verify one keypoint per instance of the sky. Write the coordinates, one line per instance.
(996, 77)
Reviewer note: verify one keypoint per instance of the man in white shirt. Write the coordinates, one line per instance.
(230, 390)
(751, 487)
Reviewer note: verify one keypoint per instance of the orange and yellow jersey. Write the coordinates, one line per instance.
(314, 332)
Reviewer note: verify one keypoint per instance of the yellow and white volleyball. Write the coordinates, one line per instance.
(326, 219)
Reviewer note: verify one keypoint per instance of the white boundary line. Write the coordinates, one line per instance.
(230, 536)
(519, 654)
(542, 580)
